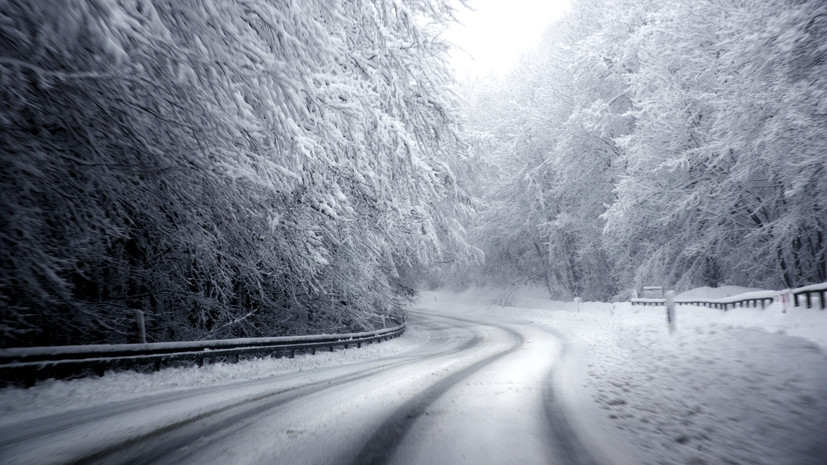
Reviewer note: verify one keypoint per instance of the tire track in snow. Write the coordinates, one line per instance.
(380, 448)
(39, 427)
(165, 441)
(569, 446)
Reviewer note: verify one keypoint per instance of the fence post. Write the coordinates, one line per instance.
(577, 300)
(139, 315)
(670, 310)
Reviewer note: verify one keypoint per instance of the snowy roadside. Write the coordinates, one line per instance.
(51, 396)
(742, 387)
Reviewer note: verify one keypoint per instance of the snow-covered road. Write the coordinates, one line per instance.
(479, 377)
(472, 391)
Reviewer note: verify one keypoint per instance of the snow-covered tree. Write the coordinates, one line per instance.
(727, 121)
(557, 156)
(228, 167)
(676, 143)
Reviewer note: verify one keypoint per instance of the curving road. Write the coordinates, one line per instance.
(476, 392)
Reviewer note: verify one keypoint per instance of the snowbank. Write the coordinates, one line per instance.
(705, 293)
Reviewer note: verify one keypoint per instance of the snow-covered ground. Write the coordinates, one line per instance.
(51, 396)
(746, 386)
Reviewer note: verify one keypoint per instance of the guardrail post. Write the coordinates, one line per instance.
(577, 300)
(29, 376)
(139, 316)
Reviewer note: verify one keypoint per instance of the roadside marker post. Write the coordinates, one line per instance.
(670, 310)
(784, 298)
(139, 315)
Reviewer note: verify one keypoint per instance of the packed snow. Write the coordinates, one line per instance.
(53, 396)
(747, 386)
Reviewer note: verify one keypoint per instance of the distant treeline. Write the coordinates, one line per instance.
(675, 143)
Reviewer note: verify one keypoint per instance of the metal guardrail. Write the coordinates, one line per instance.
(28, 364)
(742, 303)
(807, 292)
(754, 302)
(752, 299)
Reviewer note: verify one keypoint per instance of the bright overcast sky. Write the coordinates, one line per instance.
(496, 32)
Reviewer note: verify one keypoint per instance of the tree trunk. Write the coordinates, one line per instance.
(545, 268)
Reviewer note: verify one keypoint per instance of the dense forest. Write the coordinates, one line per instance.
(676, 143)
(237, 168)
(229, 167)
